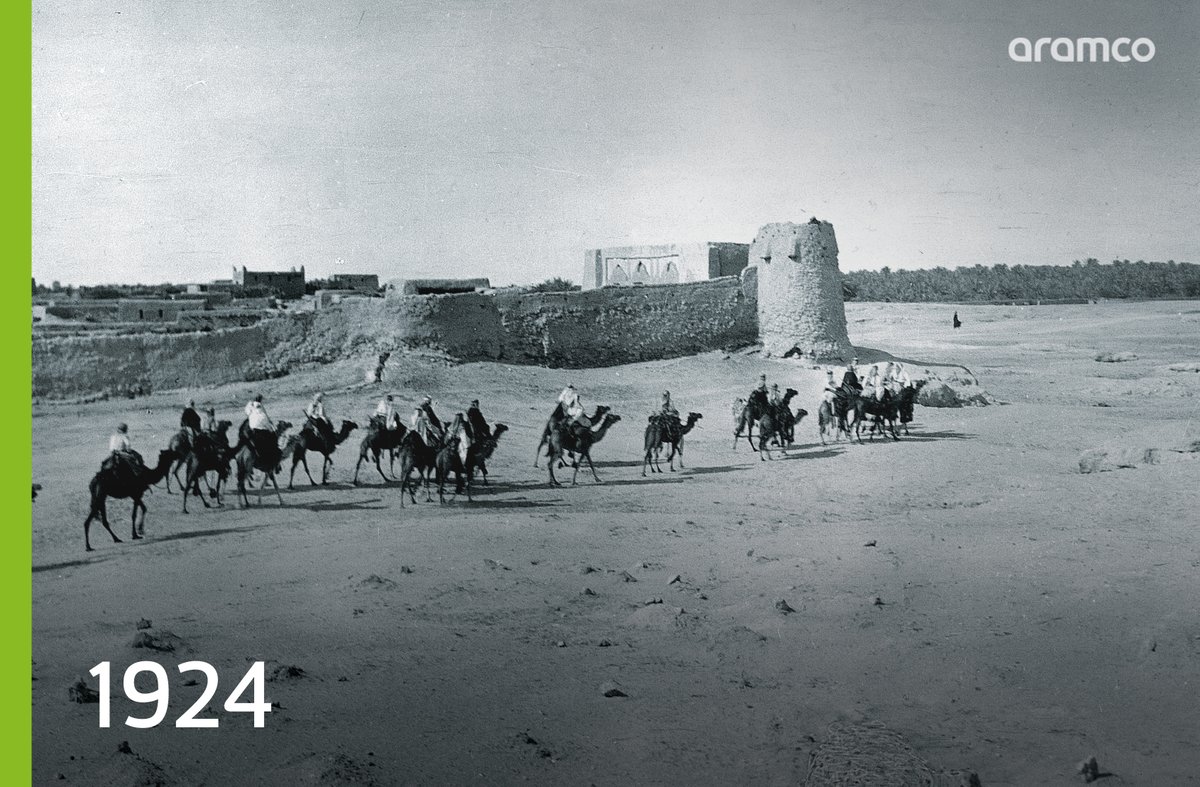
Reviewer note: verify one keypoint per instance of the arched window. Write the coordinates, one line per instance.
(618, 275)
(670, 273)
(640, 274)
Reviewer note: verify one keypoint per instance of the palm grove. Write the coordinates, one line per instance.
(1083, 280)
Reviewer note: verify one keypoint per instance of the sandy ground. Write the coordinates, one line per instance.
(1031, 615)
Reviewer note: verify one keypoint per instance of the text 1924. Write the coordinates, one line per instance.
(254, 680)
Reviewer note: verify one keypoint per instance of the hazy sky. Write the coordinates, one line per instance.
(173, 140)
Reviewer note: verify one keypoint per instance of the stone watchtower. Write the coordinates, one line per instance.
(800, 304)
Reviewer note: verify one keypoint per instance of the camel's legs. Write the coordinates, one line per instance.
(215, 491)
(750, 437)
(545, 439)
(325, 468)
(302, 460)
(186, 489)
(137, 501)
(277, 494)
(406, 468)
(764, 446)
(102, 510)
(175, 472)
(588, 457)
(441, 486)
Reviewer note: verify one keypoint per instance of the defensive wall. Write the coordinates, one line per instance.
(559, 329)
(789, 297)
(76, 366)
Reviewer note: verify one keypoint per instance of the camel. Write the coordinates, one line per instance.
(448, 460)
(182, 446)
(377, 440)
(309, 439)
(746, 413)
(658, 433)
(205, 457)
(248, 460)
(894, 407)
(841, 416)
(881, 411)
(557, 417)
(781, 419)
(785, 419)
(564, 438)
(415, 454)
(478, 453)
(741, 420)
(830, 418)
(905, 401)
(120, 482)
(768, 430)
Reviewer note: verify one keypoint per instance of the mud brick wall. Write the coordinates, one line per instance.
(466, 326)
(619, 325)
(571, 329)
(72, 366)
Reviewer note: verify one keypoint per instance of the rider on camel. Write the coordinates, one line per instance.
(190, 419)
(760, 394)
(831, 387)
(420, 424)
(458, 433)
(438, 427)
(385, 413)
(667, 408)
(477, 423)
(262, 431)
(572, 407)
(121, 451)
(882, 382)
(850, 382)
(315, 413)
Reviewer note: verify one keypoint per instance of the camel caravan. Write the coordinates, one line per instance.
(431, 451)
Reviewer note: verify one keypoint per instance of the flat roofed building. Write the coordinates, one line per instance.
(360, 282)
(154, 309)
(281, 284)
(437, 286)
(668, 263)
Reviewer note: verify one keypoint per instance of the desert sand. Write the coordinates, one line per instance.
(966, 587)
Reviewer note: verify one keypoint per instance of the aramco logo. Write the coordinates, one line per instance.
(1081, 50)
